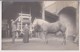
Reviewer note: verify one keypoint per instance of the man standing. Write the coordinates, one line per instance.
(13, 30)
(26, 33)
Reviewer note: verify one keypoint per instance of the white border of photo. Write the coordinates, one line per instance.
(29, 50)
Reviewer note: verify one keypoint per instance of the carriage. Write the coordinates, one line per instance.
(21, 21)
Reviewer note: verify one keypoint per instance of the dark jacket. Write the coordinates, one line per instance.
(26, 34)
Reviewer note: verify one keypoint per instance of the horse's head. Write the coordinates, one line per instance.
(36, 25)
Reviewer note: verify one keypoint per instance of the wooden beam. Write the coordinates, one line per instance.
(43, 11)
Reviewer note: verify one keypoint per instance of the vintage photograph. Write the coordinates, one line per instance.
(40, 25)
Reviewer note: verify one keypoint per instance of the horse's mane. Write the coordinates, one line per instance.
(41, 20)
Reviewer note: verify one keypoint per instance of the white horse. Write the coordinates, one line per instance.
(47, 27)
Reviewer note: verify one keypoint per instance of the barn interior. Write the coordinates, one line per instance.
(11, 10)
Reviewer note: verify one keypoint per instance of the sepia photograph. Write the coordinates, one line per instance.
(40, 25)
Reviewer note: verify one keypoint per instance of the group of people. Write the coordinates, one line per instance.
(25, 32)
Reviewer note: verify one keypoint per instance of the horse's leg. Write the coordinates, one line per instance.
(31, 34)
(43, 36)
(63, 30)
(17, 34)
(46, 40)
(38, 34)
(64, 37)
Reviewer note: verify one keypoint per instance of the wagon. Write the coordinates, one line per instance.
(21, 21)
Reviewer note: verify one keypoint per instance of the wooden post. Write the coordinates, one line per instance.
(77, 26)
(43, 11)
(21, 18)
(21, 22)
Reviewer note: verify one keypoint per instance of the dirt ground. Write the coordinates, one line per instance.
(38, 44)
